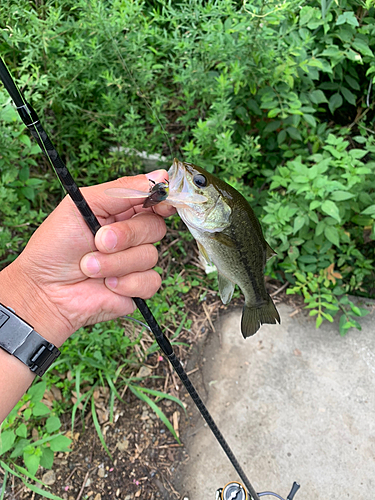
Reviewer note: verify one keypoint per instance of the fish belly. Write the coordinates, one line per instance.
(242, 263)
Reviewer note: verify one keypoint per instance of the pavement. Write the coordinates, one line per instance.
(294, 403)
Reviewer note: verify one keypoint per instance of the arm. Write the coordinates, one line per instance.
(66, 279)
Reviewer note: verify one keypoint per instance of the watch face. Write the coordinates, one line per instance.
(3, 318)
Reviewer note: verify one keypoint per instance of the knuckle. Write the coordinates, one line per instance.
(153, 284)
(150, 255)
(131, 234)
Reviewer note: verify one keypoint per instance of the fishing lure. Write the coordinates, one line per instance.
(158, 192)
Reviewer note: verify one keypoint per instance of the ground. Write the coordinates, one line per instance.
(145, 454)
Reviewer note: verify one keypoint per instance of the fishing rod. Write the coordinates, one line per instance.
(31, 120)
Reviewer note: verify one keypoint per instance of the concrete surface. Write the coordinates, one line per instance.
(294, 404)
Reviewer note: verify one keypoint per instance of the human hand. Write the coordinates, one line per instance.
(53, 284)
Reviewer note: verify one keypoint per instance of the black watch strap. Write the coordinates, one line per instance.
(20, 339)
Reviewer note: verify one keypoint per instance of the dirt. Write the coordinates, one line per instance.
(144, 453)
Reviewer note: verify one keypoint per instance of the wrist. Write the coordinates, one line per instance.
(19, 293)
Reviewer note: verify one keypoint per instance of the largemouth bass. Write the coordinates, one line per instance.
(229, 236)
(227, 232)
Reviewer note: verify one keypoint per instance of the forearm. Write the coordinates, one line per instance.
(15, 379)
(15, 376)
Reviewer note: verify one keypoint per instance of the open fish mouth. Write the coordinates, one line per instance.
(177, 178)
(180, 190)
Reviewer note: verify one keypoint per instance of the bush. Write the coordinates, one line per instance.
(276, 98)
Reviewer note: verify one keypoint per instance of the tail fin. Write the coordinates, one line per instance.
(254, 317)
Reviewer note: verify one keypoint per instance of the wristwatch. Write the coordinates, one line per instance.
(20, 339)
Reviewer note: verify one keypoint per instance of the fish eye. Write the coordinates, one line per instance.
(200, 180)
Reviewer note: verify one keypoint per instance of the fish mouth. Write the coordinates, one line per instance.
(181, 192)
(177, 178)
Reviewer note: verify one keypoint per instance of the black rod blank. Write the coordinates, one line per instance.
(31, 120)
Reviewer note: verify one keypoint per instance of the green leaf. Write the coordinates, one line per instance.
(357, 153)
(8, 114)
(272, 126)
(41, 492)
(369, 210)
(40, 409)
(310, 119)
(46, 460)
(53, 424)
(28, 193)
(25, 139)
(24, 174)
(4, 485)
(331, 209)
(317, 97)
(21, 430)
(97, 427)
(294, 133)
(347, 17)
(27, 414)
(155, 408)
(332, 235)
(335, 102)
(293, 253)
(32, 460)
(26, 473)
(352, 82)
(162, 395)
(7, 439)
(332, 51)
(362, 47)
(60, 443)
(19, 447)
(7, 468)
(341, 195)
(299, 222)
(314, 204)
(344, 325)
(349, 96)
(319, 321)
(37, 391)
(362, 220)
(281, 136)
(307, 259)
(327, 316)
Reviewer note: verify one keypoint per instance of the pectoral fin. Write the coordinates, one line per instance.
(209, 267)
(226, 288)
(203, 255)
(269, 252)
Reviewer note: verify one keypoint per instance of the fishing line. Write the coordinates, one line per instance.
(133, 80)
(31, 120)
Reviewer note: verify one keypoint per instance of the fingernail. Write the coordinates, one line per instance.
(109, 239)
(92, 265)
(111, 282)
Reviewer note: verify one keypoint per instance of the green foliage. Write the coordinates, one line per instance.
(102, 356)
(30, 432)
(276, 98)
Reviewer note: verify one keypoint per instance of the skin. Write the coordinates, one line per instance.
(66, 279)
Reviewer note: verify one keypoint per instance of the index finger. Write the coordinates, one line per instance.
(106, 206)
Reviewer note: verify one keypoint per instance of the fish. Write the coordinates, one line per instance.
(229, 236)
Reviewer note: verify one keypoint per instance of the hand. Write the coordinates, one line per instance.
(65, 279)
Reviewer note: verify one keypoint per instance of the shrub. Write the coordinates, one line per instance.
(275, 98)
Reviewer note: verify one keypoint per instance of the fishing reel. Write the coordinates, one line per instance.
(235, 491)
